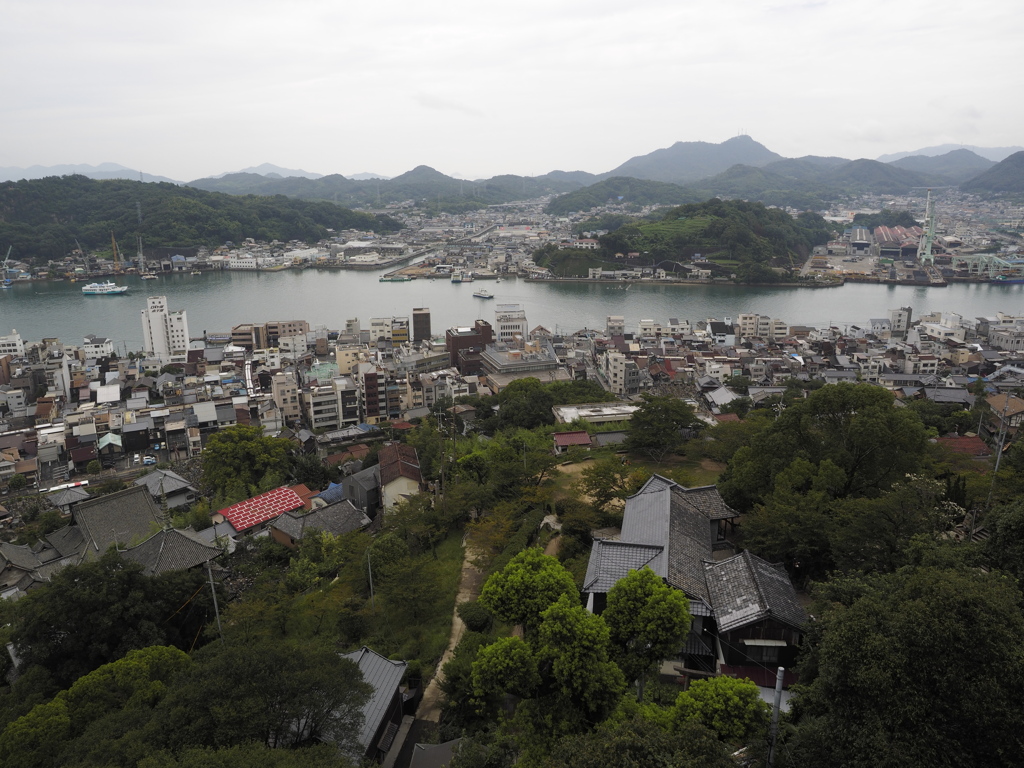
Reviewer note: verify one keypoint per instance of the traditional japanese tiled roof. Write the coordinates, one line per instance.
(746, 589)
(398, 460)
(259, 509)
(385, 676)
(163, 481)
(124, 518)
(611, 560)
(67, 496)
(171, 550)
(335, 519)
(705, 501)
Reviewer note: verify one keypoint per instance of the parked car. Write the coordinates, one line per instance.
(148, 460)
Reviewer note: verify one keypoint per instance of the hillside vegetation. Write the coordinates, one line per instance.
(423, 185)
(622, 190)
(42, 218)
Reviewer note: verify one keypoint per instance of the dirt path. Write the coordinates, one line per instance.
(552, 547)
(470, 582)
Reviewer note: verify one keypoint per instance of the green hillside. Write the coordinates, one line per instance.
(423, 185)
(42, 218)
(1006, 176)
(619, 190)
(746, 239)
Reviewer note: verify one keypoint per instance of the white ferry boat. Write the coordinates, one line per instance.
(483, 294)
(109, 288)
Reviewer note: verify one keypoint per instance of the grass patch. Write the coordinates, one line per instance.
(413, 617)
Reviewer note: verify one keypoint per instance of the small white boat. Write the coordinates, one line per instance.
(108, 288)
(147, 276)
(483, 294)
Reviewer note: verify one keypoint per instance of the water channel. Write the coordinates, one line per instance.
(215, 301)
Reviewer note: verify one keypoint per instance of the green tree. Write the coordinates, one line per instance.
(855, 426)
(17, 482)
(94, 613)
(1005, 547)
(248, 755)
(655, 427)
(731, 708)
(875, 691)
(639, 742)
(507, 665)
(603, 481)
(576, 644)
(311, 472)
(647, 620)
(291, 695)
(240, 461)
(94, 467)
(526, 587)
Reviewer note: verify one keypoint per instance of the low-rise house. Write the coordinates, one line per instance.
(169, 489)
(172, 549)
(255, 514)
(382, 714)
(336, 519)
(744, 609)
(565, 440)
(399, 474)
(124, 519)
(362, 488)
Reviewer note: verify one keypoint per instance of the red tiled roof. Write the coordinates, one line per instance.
(305, 494)
(246, 514)
(357, 451)
(402, 425)
(398, 460)
(565, 439)
(727, 417)
(969, 446)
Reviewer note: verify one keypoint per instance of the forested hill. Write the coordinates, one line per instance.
(622, 189)
(42, 218)
(755, 243)
(1006, 176)
(422, 184)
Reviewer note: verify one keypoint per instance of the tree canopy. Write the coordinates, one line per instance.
(919, 667)
(656, 426)
(240, 461)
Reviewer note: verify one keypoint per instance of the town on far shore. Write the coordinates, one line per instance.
(962, 238)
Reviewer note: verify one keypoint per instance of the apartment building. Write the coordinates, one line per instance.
(164, 333)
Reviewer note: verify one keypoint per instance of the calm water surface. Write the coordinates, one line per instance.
(218, 300)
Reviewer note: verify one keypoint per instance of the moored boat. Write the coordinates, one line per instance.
(108, 288)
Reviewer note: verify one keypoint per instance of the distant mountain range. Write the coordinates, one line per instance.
(101, 171)
(1006, 176)
(995, 154)
(739, 167)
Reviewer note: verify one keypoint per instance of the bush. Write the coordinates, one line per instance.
(476, 616)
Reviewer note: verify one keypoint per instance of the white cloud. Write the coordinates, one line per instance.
(195, 88)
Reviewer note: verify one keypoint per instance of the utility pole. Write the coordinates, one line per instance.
(216, 610)
(369, 570)
(774, 732)
(999, 449)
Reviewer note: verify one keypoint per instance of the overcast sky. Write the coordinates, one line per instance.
(193, 88)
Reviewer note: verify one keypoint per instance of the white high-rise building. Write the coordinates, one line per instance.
(510, 321)
(165, 333)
